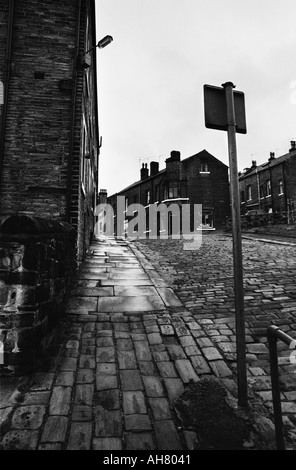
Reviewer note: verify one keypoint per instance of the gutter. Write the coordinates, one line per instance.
(74, 99)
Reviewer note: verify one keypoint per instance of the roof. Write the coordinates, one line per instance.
(269, 164)
(203, 153)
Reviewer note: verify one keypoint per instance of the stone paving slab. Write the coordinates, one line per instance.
(130, 304)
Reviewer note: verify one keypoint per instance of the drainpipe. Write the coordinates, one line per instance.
(74, 99)
(6, 82)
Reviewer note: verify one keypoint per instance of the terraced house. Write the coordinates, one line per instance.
(200, 179)
(49, 156)
(271, 187)
(49, 128)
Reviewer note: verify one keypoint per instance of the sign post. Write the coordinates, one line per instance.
(225, 110)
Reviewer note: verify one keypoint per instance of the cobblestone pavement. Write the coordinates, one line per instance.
(203, 281)
(144, 321)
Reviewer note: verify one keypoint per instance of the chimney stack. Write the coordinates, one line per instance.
(103, 196)
(144, 172)
(272, 156)
(293, 146)
(254, 164)
(154, 168)
(175, 156)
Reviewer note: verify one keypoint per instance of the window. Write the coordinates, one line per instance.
(268, 188)
(242, 197)
(261, 192)
(249, 192)
(173, 191)
(148, 198)
(281, 187)
(204, 167)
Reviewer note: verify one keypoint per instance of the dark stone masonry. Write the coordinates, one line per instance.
(37, 259)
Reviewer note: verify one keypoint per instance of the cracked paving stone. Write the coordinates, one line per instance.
(28, 417)
(20, 440)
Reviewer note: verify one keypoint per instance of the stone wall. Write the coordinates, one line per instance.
(37, 261)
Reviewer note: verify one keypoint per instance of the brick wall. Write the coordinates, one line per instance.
(52, 99)
(37, 261)
(35, 164)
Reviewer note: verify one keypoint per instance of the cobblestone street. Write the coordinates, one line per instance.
(144, 322)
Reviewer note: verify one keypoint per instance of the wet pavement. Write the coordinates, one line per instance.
(127, 350)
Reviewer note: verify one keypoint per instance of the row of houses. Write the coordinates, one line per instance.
(202, 179)
(270, 188)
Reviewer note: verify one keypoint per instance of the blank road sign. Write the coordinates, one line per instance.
(216, 109)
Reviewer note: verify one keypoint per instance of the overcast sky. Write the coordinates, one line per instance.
(151, 80)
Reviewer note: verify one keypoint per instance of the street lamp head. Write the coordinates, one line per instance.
(104, 42)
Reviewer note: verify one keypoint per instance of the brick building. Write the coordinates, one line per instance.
(48, 108)
(49, 151)
(271, 187)
(200, 179)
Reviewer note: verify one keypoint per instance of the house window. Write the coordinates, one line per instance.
(204, 167)
(249, 192)
(261, 192)
(173, 191)
(148, 197)
(242, 197)
(268, 188)
(281, 187)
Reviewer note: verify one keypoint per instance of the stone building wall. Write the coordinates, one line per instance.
(37, 259)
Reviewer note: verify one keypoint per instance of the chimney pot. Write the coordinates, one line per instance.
(144, 172)
(293, 146)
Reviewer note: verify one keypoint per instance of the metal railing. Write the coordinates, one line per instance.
(273, 335)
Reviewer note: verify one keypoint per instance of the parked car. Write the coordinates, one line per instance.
(254, 218)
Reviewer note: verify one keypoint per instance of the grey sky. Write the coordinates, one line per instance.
(151, 79)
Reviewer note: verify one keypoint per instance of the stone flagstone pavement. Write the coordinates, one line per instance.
(126, 351)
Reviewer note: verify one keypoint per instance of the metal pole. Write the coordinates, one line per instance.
(237, 249)
(276, 394)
